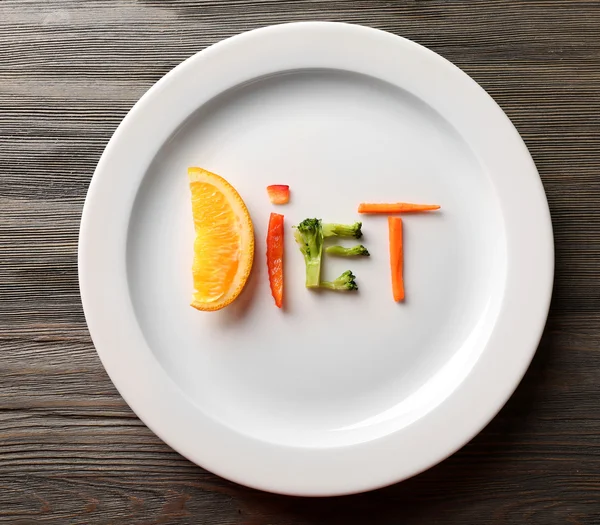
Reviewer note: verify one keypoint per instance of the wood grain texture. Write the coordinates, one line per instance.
(71, 451)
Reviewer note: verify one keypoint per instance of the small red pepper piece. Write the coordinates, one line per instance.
(279, 193)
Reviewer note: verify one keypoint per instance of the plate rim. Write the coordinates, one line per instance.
(155, 398)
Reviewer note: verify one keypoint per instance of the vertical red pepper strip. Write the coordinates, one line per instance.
(275, 257)
(396, 257)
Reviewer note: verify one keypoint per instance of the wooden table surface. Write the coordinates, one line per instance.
(72, 452)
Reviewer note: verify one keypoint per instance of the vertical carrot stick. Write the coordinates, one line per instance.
(396, 257)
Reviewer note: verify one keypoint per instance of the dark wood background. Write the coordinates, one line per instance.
(72, 452)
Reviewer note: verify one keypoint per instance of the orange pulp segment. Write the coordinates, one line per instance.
(224, 244)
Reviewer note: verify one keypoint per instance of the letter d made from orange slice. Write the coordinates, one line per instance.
(224, 244)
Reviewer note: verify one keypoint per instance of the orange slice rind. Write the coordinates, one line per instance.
(224, 243)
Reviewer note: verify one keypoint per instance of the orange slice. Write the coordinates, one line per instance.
(224, 245)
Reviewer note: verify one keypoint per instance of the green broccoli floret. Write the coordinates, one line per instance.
(343, 283)
(309, 236)
(341, 251)
(343, 230)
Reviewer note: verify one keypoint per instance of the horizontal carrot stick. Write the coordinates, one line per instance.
(396, 257)
(398, 207)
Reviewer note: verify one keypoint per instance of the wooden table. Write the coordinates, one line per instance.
(72, 452)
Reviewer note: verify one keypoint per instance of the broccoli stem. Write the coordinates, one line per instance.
(313, 273)
(309, 237)
(342, 251)
(342, 230)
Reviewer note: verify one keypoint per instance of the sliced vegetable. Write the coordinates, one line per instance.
(342, 230)
(342, 251)
(343, 283)
(275, 257)
(398, 207)
(279, 193)
(309, 237)
(396, 257)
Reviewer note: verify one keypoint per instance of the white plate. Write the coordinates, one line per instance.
(337, 393)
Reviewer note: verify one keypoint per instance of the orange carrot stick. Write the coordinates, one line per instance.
(398, 207)
(396, 257)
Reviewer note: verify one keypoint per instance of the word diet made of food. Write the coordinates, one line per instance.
(224, 243)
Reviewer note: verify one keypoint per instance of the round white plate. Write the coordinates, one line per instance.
(336, 393)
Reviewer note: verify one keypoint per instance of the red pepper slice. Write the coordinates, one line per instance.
(275, 257)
